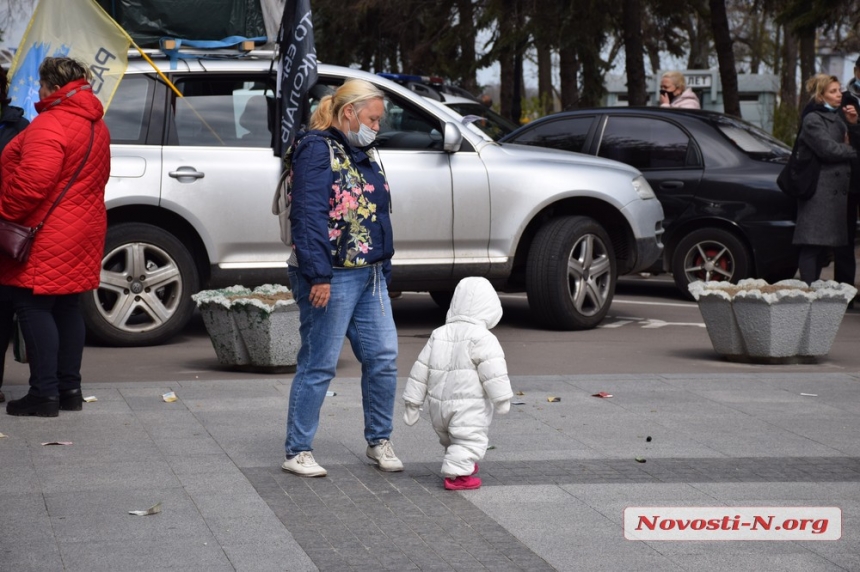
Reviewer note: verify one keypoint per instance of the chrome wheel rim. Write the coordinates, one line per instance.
(589, 275)
(709, 260)
(141, 287)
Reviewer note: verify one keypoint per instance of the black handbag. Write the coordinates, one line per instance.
(16, 240)
(799, 178)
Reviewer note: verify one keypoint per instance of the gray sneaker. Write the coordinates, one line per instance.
(304, 465)
(384, 456)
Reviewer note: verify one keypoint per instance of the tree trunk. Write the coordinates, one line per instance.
(726, 57)
(569, 70)
(544, 61)
(788, 70)
(637, 92)
(506, 60)
(700, 47)
(807, 59)
(467, 43)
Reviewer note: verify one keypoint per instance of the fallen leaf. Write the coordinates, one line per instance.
(518, 402)
(521, 393)
(640, 459)
(57, 443)
(553, 399)
(90, 399)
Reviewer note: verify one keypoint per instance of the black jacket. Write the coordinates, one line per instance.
(12, 122)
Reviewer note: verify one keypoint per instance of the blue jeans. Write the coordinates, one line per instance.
(360, 310)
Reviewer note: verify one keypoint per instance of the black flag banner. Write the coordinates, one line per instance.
(297, 70)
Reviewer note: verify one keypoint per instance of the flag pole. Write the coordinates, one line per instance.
(142, 53)
(158, 71)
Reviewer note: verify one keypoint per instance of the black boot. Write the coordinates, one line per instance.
(71, 400)
(34, 405)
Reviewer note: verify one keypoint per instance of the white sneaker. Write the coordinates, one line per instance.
(384, 456)
(304, 465)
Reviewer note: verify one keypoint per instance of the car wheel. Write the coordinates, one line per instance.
(147, 279)
(709, 254)
(571, 274)
(442, 298)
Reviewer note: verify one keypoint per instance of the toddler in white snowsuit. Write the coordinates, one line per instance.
(462, 375)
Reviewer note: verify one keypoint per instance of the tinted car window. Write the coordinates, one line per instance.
(127, 113)
(565, 134)
(644, 143)
(223, 112)
(753, 141)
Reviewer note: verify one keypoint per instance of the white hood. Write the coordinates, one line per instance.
(475, 301)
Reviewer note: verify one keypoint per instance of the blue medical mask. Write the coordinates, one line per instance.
(361, 138)
(830, 107)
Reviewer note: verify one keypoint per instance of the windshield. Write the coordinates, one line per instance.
(753, 141)
(485, 119)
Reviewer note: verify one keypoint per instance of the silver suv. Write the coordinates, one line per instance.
(192, 180)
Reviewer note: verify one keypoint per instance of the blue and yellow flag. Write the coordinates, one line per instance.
(77, 29)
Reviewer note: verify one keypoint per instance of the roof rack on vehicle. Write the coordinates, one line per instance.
(233, 47)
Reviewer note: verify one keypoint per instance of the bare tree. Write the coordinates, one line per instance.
(726, 57)
(637, 91)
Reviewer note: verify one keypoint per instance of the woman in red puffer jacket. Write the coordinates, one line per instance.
(66, 256)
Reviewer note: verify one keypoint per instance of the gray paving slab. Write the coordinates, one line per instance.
(555, 484)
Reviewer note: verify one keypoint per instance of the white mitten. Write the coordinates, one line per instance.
(503, 407)
(410, 416)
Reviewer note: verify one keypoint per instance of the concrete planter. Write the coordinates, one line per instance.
(786, 322)
(252, 329)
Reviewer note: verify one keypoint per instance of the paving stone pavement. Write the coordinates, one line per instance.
(555, 484)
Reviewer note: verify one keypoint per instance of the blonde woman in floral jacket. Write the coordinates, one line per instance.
(339, 271)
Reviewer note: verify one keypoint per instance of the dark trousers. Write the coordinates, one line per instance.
(845, 263)
(7, 327)
(54, 332)
(810, 262)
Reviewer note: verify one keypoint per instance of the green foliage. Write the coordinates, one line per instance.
(533, 107)
(785, 122)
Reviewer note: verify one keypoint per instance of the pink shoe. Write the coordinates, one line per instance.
(475, 472)
(462, 483)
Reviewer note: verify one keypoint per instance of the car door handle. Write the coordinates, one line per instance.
(672, 185)
(186, 172)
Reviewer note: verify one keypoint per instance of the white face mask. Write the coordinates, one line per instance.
(361, 138)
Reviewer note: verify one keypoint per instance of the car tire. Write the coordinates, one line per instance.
(709, 254)
(127, 310)
(571, 274)
(442, 298)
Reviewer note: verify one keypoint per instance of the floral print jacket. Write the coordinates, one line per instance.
(340, 206)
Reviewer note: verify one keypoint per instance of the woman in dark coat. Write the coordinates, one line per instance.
(821, 218)
(12, 122)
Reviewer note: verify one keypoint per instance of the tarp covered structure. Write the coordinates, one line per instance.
(147, 21)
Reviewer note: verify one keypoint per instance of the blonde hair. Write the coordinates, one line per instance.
(818, 84)
(355, 92)
(676, 78)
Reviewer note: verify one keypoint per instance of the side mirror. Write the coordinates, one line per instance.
(452, 138)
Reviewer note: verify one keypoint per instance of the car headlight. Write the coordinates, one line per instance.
(643, 189)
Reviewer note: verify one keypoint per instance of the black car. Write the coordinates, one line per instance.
(715, 176)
